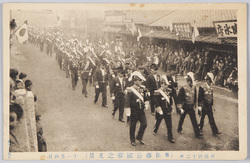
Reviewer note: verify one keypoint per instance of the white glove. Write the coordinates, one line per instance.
(113, 97)
(199, 109)
(113, 75)
(172, 109)
(89, 74)
(182, 111)
(107, 87)
(159, 110)
(148, 93)
(146, 105)
(97, 86)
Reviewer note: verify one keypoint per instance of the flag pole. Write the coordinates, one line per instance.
(25, 22)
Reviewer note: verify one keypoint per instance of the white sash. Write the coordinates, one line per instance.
(137, 94)
(164, 95)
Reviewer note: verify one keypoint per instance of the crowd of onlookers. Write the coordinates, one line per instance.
(179, 61)
(26, 133)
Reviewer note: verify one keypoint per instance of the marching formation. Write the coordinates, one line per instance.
(132, 77)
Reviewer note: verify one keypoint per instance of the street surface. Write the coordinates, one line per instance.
(72, 122)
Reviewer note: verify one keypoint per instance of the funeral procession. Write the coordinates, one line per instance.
(123, 80)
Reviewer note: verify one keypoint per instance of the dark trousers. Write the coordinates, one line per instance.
(191, 113)
(84, 86)
(210, 115)
(66, 67)
(152, 102)
(140, 116)
(41, 47)
(74, 78)
(119, 104)
(102, 89)
(60, 62)
(168, 121)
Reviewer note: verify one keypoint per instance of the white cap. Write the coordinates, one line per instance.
(138, 74)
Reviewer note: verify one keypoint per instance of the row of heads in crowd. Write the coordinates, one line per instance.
(20, 80)
(76, 48)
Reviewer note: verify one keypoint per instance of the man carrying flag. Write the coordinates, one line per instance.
(22, 32)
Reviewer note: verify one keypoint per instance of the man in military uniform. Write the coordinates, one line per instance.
(172, 78)
(66, 61)
(41, 42)
(74, 70)
(85, 74)
(137, 101)
(117, 87)
(153, 83)
(205, 103)
(186, 104)
(60, 56)
(164, 108)
(49, 47)
(101, 83)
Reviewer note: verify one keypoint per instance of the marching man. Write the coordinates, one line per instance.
(117, 87)
(137, 100)
(101, 83)
(164, 108)
(205, 103)
(186, 104)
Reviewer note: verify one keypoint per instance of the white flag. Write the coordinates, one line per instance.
(139, 35)
(195, 33)
(22, 33)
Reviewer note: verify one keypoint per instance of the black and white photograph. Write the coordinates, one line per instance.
(125, 81)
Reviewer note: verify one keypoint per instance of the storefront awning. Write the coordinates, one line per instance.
(207, 39)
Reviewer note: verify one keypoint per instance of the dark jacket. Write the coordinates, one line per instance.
(153, 84)
(99, 78)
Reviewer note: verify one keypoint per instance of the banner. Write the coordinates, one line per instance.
(226, 29)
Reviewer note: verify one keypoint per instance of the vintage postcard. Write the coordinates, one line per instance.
(128, 81)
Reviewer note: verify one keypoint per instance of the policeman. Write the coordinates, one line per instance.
(186, 104)
(137, 101)
(205, 103)
(117, 87)
(164, 108)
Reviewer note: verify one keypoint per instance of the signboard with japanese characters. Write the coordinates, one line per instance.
(226, 29)
(182, 29)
